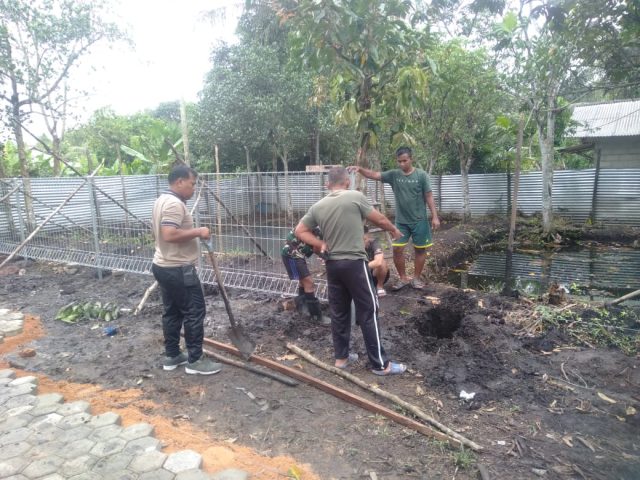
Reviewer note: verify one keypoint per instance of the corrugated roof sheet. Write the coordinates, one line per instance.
(616, 119)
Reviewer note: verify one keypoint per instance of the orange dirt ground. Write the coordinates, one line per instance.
(175, 434)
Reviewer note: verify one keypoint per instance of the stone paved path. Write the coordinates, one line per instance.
(44, 438)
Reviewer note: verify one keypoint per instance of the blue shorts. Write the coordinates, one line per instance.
(297, 268)
(419, 232)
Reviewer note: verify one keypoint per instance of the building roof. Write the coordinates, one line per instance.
(614, 119)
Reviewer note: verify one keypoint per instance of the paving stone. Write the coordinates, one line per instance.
(17, 421)
(16, 477)
(105, 433)
(148, 461)
(12, 412)
(12, 466)
(19, 401)
(23, 389)
(15, 316)
(121, 476)
(42, 467)
(141, 445)
(11, 328)
(45, 409)
(105, 419)
(77, 448)
(108, 447)
(4, 311)
(137, 430)
(5, 381)
(78, 465)
(22, 380)
(55, 476)
(112, 464)
(87, 476)
(46, 434)
(44, 422)
(48, 399)
(45, 449)
(13, 450)
(193, 475)
(160, 474)
(230, 474)
(71, 408)
(14, 436)
(183, 460)
(7, 373)
(73, 434)
(75, 420)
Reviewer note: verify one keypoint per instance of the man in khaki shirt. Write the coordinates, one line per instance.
(174, 269)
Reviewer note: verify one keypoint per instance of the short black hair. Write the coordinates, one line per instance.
(337, 175)
(403, 150)
(181, 171)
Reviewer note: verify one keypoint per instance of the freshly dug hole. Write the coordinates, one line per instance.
(444, 319)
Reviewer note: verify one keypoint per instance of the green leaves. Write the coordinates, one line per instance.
(75, 312)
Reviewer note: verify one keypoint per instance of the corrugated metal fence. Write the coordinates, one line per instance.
(106, 224)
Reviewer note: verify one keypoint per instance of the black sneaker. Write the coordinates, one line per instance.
(171, 363)
(203, 366)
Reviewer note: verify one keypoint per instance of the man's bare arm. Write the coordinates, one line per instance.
(178, 235)
(435, 220)
(373, 175)
(383, 222)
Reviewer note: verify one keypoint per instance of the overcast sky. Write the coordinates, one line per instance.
(170, 57)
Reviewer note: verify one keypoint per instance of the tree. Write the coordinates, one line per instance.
(371, 57)
(40, 42)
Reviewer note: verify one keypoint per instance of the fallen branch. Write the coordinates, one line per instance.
(389, 396)
(628, 296)
(145, 297)
(280, 378)
(340, 393)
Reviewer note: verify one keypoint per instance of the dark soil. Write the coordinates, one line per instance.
(542, 407)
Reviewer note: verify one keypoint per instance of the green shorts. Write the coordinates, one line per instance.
(419, 232)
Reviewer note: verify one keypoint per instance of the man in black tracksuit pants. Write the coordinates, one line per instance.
(340, 216)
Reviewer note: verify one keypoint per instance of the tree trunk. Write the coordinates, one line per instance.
(3, 170)
(16, 121)
(466, 160)
(546, 132)
(247, 156)
(287, 190)
(185, 131)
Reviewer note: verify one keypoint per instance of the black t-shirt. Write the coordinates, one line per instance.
(373, 248)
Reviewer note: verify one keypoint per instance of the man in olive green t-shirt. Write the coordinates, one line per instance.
(340, 216)
(412, 190)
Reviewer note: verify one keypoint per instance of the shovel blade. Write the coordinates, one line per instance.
(243, 343)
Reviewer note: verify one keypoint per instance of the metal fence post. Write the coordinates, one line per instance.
(18, 209)
(94, 225)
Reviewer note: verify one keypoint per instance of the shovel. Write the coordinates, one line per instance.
(241, 341)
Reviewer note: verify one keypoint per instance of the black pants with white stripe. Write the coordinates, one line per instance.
(349, 280)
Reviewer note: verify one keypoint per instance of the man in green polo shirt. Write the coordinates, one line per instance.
(340, 216)
(413, 193)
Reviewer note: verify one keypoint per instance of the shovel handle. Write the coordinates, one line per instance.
(223, 291)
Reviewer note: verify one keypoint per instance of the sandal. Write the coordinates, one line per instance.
(417, 284)
(351, 359)
(392, 369)
(399, 285)
(382, 292)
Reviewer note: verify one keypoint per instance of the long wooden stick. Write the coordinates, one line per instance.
(9, 194)
(49, 217)
(628, 296)
(389, 396)
(340, 393)
(280, 378)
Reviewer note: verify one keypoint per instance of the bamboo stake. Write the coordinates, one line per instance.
(9, 194)
(49, 217)
(280, 378)
(628, 296)
(340, 393)
(389, 396)
(220, 243)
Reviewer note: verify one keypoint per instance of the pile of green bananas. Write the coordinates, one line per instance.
(74, 312)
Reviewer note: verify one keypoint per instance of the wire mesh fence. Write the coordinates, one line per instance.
(104, 222)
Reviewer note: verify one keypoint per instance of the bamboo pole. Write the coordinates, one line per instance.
(340, 393)
(49, 217)
(389, 396)
(219, 243)
(280, 378)
(9, 194)
(628, 296)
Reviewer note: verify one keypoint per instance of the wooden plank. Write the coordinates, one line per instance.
(339, 393)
